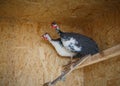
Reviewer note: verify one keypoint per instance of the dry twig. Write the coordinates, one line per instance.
(65, 73)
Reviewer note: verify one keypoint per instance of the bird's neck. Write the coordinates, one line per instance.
(49, 38)
(59, 31)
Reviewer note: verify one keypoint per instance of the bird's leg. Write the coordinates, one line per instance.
(68, 66)
(71, 59)
(71, 62)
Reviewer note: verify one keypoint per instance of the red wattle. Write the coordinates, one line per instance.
(54, 26)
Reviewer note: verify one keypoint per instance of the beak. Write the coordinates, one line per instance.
(42, 37)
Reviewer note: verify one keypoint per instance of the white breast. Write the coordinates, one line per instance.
(61, 50)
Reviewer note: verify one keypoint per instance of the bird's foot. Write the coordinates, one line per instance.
(67, 66)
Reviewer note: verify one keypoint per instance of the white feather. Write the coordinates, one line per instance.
(72, 42)
(61, 50)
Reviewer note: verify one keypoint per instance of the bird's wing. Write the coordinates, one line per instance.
(82, 40)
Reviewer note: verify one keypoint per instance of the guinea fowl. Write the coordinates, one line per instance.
(77, 43)
(61, 50)
(57, 44)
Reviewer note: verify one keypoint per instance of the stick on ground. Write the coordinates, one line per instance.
(65, 73)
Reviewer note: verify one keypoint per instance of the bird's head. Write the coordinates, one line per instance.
(46, 36)
(55, 26)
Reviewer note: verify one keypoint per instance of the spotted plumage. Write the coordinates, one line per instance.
(75, 42)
